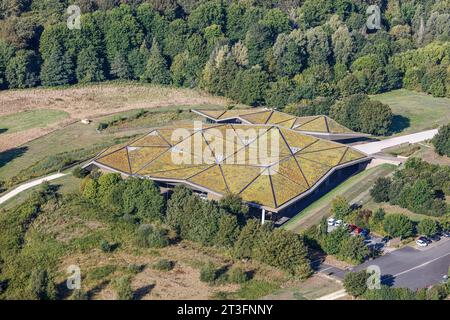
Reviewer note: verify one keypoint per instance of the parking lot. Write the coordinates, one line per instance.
(413, 267)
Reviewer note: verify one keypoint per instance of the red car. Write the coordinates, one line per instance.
(351, 227)
(358, 230)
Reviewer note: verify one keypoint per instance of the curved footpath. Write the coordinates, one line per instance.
(29, 185)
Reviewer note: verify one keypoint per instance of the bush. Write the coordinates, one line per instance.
(340, 207)
(398, 225)
(164, 265)
(135, 268)
(437, 292)
(106, 247)
(123, 288)
(427, 227)
(355, 283)
(42, 286)
(151, 237)
(208, 273)
(79, 172)
(237, 275)
(78, 295)
(441, 141)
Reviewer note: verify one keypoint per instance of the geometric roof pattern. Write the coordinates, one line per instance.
(316, 124)
(291, 164)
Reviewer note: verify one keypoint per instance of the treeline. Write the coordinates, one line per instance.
(272, 53)
(225, 224)
(420, 187)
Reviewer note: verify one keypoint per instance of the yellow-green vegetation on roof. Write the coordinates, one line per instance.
(267, 164)
(315, 124)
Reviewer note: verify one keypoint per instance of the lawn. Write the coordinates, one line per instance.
(414, 111)
(78, 136)
(354, 189)
(30, 119)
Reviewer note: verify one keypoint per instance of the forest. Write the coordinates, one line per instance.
(283, 54)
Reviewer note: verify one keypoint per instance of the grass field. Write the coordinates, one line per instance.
(354, 189)
(414, 111)
(30, 119)
(92, 101)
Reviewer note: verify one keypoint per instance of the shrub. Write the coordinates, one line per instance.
(427, 227)
(237, 275)
(135, 268)
(105, 246)
(78, 295)
(123, 288)
(441, 141)
(355, 283)
(151, 237)
(354, 249)
(340, 207)
(208, 273)
(79, 172)
(164, 265)
(437, 292)
(42, 286)
(398, 225)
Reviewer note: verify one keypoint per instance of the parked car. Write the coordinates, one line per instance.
(421, 243)
(435, 237)
(358, 230)
(331, 221)
(351, 227)
(445, 234)
(425, 239)
(338, 223)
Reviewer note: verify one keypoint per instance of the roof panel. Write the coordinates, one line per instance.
(260, 192)
(140, 156)
(151, 139)
(316, 125)
(285, 189)
(278, 117)
(117, 160)
(212, 179)
(313, 171)
(329, 157)
(351, 155)
(290, 169)
(238, 176)
(257, 118)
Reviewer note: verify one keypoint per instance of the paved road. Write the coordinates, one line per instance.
(412, 267)
(375, 147)
(29, 185)
(408, 267)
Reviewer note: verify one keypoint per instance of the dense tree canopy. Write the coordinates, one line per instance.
(278, 53)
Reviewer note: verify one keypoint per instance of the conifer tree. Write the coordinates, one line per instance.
(156, 70)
